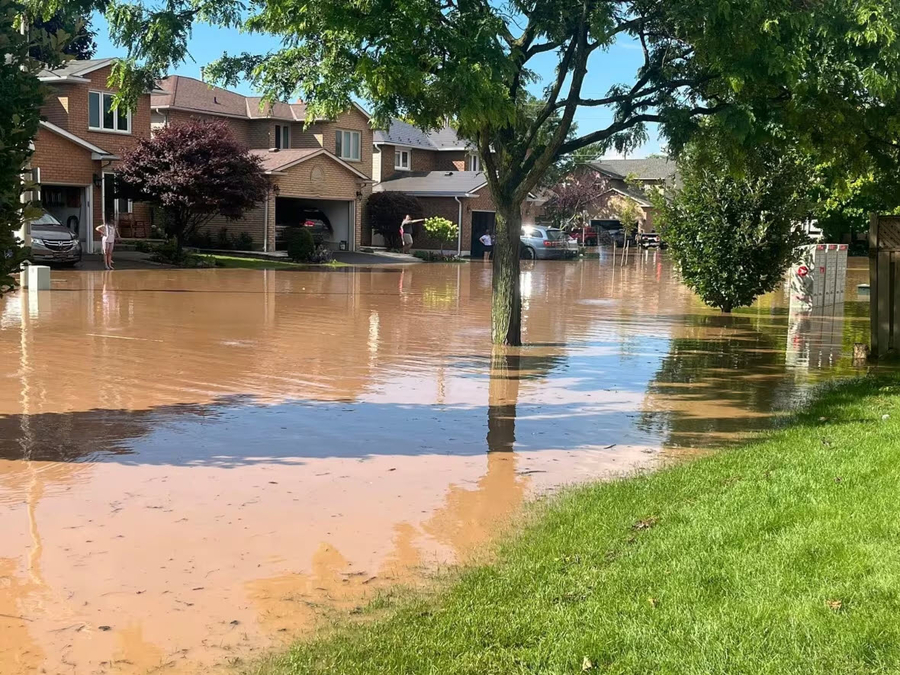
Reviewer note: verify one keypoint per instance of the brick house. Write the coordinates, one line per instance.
(629, 179)
(78, 145)
(444, 173)
(322, 164)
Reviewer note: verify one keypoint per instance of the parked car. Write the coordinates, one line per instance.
(586, 235)
(651, 240)
(52, 242)
(311, 218)
(540, 242)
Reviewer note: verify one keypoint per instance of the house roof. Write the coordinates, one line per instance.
(277, 161)
(631, 193)
(96, 151)
(406, 135)
(193, 95)
(435, 183)
(73, 71)
(651, 168)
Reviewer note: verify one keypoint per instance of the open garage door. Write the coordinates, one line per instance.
(338, 214)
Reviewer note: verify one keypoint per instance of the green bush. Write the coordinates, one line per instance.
(300, 244)
(223, 241)
(243, 242)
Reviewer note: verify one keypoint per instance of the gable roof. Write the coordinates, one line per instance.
(96, 151)
(406, 135)
(73, 71)
(277, 161)
(193, 95)
(651, 168)
(635, 195)
(435, 183)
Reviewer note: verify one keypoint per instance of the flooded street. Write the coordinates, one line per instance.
(195, 465)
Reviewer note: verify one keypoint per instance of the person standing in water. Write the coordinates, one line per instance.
(406, 232)
(108, 234)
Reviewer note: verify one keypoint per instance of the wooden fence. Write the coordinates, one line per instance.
(884, 284)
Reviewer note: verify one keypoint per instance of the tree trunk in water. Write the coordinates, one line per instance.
(506, 301)
(503, 395)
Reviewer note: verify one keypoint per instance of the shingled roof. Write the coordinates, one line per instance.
(651, 168)
(406, 135)
(186, 93)
(435, 183)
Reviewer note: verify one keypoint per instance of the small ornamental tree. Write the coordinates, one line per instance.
(733, 235)
(441, 229)
(192, 173)
(572, 196)
(386, 212)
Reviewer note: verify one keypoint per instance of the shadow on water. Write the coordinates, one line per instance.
(235, 431)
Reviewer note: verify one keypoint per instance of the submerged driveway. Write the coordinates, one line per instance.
(195, 464)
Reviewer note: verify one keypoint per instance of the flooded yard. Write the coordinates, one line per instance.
(195, 465)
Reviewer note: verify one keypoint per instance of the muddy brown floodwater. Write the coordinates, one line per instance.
(196, 465)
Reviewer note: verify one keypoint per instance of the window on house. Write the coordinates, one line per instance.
(473, 162)
(347, 145)
(401, 159)
(282, 136)
(102, 117)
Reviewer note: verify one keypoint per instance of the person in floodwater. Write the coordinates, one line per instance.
(108, 233)
(488, 242)
(406, 232)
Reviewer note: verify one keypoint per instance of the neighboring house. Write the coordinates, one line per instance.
(629, 179)
(78, 145)
(321, 164)
(444, 173)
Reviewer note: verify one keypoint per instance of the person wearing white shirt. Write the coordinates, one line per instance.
(108, 234)
(488, 244)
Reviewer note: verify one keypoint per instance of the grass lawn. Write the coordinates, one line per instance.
(779, 556)
(260, 263)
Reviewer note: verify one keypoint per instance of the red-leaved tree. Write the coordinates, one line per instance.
(192, 173)
(574, 195)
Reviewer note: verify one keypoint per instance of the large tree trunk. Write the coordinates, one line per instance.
(506, 302)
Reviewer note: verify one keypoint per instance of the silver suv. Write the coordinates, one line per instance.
(540, 242)
(53, 243)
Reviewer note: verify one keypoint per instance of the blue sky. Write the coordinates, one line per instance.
(207, 43)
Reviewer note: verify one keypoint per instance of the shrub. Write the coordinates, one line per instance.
(321, 255)
(300, 244)
(441, 229)
(243, 242)
(386, 211)
(732, 234)
(434, 256)
(223, 241)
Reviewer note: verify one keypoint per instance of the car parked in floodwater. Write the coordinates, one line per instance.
(540, 242)
(52, 242)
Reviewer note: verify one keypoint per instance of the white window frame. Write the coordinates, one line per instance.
(345, 151)
(101, 128)
(399, 164)
(473, 162)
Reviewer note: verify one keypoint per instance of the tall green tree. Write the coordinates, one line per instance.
(473, 62)
(20, 103)
(79, 36)
(733, 230)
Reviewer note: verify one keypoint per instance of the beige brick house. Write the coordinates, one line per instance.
(314, 164)
(78, 146)
(444, 173)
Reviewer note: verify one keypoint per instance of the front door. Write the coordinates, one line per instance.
(482, 221)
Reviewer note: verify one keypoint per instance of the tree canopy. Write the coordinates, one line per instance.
(192, 173)
(733, 230)
(473, 63)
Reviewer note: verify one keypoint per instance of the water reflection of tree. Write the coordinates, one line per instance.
(723, 375)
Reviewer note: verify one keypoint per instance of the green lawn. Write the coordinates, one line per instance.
(259, 263)
(780, 556)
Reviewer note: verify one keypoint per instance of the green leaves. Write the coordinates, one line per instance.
(732, 227)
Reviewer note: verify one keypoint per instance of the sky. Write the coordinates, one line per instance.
(207, 43)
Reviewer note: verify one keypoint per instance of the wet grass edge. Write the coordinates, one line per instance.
(780, 555)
